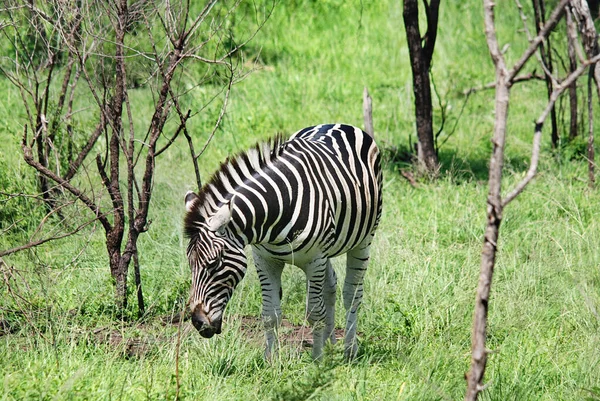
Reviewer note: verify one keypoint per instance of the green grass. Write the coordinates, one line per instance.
(415, 328)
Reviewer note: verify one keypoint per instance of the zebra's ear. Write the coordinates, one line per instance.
(220, 219)
(190, 197)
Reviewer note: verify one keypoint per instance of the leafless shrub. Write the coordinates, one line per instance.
(85, 58)
(505, 78)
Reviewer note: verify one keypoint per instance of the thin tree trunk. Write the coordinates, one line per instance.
(43, 159)
(495, 203)
(120, 267)
(589, 36)
(490, 244)
(118, 273)
(420, 61)
(571, 37)
(138, 285)
(590, 144)
(546, 54)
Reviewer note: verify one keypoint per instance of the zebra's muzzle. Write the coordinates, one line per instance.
(202, 323)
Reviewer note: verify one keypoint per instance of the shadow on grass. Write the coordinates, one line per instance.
(458, 168)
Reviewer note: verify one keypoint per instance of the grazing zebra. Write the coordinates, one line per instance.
(300, 201)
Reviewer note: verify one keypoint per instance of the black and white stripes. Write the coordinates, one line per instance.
(302, 202)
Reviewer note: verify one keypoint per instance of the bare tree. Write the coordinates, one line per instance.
(573, 101)
(589, 37)
(545, 51)
(37, 61)
(590, 144)
(421, 51)
(114, 49)
(495, 201)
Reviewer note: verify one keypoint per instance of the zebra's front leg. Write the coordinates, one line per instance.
(356, 267)
(269, 274)
(315, 304)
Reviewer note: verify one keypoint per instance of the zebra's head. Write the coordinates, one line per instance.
(217, 261)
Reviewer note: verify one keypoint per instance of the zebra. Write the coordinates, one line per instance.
(302, 202)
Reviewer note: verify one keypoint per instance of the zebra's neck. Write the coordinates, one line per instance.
(243, 181)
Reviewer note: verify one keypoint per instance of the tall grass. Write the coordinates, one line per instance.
(62, 339)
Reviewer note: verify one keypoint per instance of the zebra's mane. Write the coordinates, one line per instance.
(253, 159)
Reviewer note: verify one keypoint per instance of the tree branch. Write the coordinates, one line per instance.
(432, 14)
(33, 244)
(28, 156)
(532, 76)
(539, 123)
(180, 128)
(74, 166)
(542, 35)
(219, 119)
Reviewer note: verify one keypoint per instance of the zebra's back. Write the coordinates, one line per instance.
(335, 172)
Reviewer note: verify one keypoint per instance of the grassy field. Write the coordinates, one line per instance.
(315, 58)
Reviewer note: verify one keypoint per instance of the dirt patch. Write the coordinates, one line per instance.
(143, 341)
(131, 347)
(136, 345)
(252, 326)
(293, 334)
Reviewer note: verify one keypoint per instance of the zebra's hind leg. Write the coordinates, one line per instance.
(269, 274)
(315, 304)
(356, 267)
(329, 298)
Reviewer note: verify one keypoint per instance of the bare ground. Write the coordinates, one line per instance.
(297, 336)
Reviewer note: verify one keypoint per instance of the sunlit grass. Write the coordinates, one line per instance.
(416, 318)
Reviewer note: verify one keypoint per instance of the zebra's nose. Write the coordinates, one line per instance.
(217, 325)
(202, 323)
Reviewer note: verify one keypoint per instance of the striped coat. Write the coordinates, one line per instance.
(301, 201)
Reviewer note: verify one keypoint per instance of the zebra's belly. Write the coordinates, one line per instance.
(294, 253)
